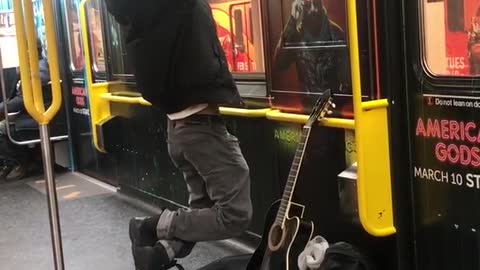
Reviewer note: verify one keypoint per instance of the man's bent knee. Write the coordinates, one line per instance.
(237, 222)
(243, 209)
(237, 213)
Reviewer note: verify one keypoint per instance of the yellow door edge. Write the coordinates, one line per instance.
(367, 176)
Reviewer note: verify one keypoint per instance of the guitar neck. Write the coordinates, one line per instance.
(292, 177)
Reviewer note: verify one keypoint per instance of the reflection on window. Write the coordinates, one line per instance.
(74, 35)
(117, 50)
(452, 37)
(6, 19)
(8, 38)
(96, 35)
(240, 34)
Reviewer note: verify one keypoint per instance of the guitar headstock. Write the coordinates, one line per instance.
(321, 108)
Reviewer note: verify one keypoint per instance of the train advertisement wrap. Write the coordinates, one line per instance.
(446, 163)
(449, 142)
(446, 177)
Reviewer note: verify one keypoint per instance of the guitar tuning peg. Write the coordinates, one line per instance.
(333, 105)
(330, 112)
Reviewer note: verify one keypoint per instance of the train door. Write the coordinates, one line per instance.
(442, 41)
(88, 160)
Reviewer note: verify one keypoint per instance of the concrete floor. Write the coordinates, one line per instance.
(94, 227)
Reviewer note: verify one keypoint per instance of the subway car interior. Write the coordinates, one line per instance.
(350, 126)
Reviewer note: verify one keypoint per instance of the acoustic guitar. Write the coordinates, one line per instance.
(286, 233)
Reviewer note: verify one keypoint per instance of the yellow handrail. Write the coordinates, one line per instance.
(34, 103)
(24, 62)
(53, 60)
(374, 104)
(255, 113)
(33, 56)
(128, 100)
(379, 223)
(88, 66)
(302, 119)
(28, 56)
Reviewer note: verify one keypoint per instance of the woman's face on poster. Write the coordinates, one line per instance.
(312, 6)
(476, 24)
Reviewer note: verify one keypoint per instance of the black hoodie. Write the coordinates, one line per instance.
(176, 54)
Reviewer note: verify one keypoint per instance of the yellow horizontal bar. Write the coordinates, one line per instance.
(338, 123)
(256, 113)
(374, 104)
(100, 85)
(127, 100)
(302, 119)
(287, 117)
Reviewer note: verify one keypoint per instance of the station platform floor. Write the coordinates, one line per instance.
(94, 219)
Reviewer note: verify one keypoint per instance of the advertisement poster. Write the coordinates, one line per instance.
(446, 165)
(472, 23)
(308, 49)
(446, 180)
(452, 29)
(461, 29)
(80, 99)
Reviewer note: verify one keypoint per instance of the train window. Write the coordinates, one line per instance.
(121, 67)
(6, 19)
(96, 35)
(451, 30)
(8, 38)
(239, 31)
(307, 40)
(74, 35)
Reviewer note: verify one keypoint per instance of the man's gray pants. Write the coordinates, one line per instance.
(218, 181)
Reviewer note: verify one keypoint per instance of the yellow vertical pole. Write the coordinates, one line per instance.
(363, 128)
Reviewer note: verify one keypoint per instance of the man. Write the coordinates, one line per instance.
(181, 68)
(318, 69)
(14, 158)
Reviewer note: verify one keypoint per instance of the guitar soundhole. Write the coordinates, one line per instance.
(276, 238)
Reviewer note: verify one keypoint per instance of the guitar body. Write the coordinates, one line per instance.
(279, 249)
(286, 234)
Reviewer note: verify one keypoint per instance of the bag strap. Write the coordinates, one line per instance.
(174, 264)
(179, 267)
